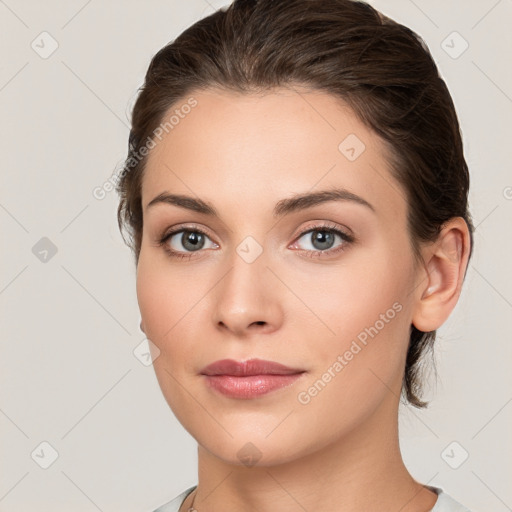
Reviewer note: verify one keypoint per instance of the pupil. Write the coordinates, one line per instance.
(192, 240)
(324, 238)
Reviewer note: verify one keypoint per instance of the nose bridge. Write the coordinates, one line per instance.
(248, 274)
(246, 295)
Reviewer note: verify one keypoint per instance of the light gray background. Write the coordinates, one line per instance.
(70, 325)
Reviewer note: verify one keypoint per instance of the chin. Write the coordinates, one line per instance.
(246, 452)
(262, 444)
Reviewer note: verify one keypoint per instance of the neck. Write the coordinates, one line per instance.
(361, 471)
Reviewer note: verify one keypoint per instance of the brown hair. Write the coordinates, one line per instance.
(382, 69)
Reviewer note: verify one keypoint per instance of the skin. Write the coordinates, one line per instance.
(243, 154)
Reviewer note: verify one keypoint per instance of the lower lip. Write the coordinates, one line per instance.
(250, 386)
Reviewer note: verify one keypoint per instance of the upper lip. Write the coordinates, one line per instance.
(249, 367)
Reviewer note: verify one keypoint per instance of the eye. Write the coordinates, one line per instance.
(182, 243)
(321, 240)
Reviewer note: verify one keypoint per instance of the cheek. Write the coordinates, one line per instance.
(171, 303)
(164, 296)
(151, 298)
(361, 297)
(361, 367)
(367, 309)
(164, 302)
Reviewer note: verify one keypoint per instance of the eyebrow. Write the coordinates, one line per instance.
(282, 207)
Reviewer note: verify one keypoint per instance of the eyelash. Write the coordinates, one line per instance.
(326, 227)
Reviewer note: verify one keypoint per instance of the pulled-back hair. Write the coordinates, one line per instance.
(381, 69)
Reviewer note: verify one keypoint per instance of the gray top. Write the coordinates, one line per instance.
(444, 503)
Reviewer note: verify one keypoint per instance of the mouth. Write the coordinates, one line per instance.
(249, 379)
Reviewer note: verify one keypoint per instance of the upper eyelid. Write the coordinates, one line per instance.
(317, 225)
(327, 225)
(179, 228)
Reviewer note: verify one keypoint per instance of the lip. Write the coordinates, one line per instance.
(247, 368)
(249, 379)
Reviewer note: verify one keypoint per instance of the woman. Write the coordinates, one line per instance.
(295, 195)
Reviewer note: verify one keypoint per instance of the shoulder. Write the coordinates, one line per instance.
(445, 503)
(174, 505)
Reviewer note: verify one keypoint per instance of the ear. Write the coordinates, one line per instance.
(441, 278)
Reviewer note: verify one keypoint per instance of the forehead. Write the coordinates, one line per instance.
(250, 146)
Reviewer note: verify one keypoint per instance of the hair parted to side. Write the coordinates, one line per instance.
(381, 69)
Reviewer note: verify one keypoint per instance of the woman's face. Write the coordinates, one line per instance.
(324, 287)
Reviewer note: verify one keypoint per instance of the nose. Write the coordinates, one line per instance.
(247, 301)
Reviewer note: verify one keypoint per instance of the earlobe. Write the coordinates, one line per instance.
(442, 276)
